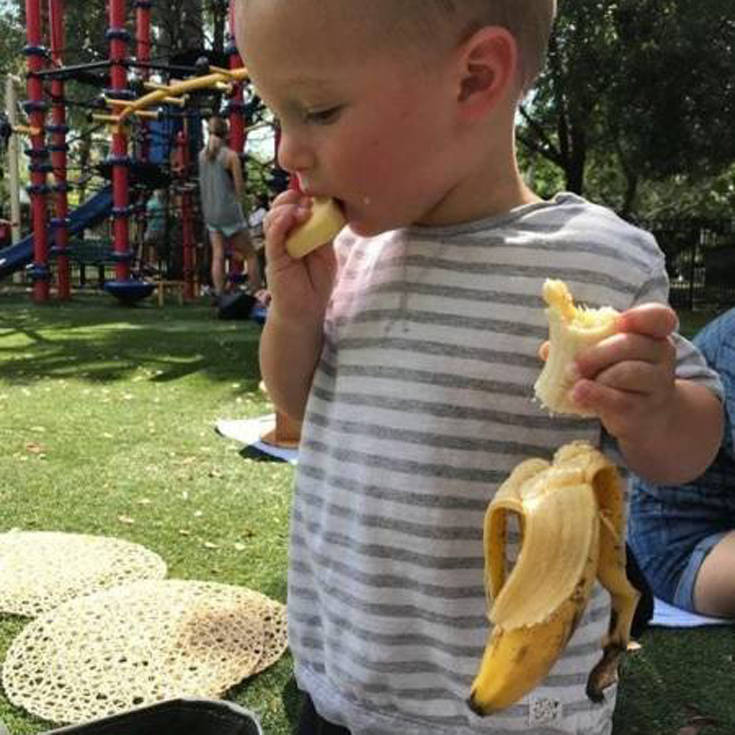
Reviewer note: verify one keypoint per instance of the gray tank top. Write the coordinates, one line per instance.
(220, 205)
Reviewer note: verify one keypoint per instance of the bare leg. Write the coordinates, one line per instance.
(218, 262)
(714, 590)
(244, 247)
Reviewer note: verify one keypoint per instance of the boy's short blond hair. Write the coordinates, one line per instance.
(441, 22)
(529, 21)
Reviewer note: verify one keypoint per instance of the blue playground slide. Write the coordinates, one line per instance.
(92, 212)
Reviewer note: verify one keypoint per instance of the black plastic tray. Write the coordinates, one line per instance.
(173, 717)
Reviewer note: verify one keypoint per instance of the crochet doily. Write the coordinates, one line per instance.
(40, 570)
(275, 638)
(139, 644)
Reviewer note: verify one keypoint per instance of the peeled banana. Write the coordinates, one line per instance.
(572, 522)
(571, 328)
(325, 222)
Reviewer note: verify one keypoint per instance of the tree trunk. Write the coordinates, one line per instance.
(219, 16)
(631, 191)
(631, 181)
(575, 163)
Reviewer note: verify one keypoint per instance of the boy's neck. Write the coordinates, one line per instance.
(492, 185)
(502, 198)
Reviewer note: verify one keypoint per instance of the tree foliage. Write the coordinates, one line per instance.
(675, 113)
(637, 94)
(11, 40)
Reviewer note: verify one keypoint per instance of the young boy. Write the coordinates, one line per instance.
(415, 338)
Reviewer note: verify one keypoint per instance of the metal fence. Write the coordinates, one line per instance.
(700, 260)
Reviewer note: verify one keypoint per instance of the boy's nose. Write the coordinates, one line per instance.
(293, 155)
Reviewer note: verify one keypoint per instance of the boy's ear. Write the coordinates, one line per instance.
(488, 70)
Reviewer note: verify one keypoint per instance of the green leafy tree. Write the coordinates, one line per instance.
(12, 60)
(217, 13)
(180, 24)
(563, 117)
(674, 112)
(637, 94)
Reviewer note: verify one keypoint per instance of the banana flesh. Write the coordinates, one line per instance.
(325, 222)
(571, 329)
(572, 521)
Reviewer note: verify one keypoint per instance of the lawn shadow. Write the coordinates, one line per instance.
(256, 455)
(292, 698)
(101, 342)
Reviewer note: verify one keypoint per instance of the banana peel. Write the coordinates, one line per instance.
(572, 520)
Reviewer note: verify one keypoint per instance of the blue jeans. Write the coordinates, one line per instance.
(670, 542)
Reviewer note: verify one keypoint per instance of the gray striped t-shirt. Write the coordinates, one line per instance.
(420, 407)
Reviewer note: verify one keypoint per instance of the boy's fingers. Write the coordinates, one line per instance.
(624, 347)
(602, 399)
(282, 219)
(632, 376)
(653, 320)
(290, 196)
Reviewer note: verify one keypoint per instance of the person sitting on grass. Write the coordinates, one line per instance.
(683, 535)
(409, 349)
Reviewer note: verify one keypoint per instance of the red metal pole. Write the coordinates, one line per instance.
(143, 35)
(36, 109)
(143, 54)
(236, 106)
(183, 161)
(58, 130)
(236, 109)
(119, 39)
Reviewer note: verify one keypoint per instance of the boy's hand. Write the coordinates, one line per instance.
(628, 378)
(300, 289)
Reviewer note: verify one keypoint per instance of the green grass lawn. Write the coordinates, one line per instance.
(106, 427)
(107, 414)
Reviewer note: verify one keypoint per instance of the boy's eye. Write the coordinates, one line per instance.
(323, 117)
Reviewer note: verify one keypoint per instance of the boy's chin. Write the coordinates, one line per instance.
(368, 229)
(364, 230)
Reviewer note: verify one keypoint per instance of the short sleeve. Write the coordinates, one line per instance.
(691, 363)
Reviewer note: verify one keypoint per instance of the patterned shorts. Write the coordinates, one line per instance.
(671, 540)
(228, 230)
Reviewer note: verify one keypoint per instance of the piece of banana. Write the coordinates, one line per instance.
(325, 222)
(571, 328)
(572, 521)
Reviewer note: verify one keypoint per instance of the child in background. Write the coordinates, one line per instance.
(154, 239)
(684, 536)
(409, 348)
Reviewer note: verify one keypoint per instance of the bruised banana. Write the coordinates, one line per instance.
(325, 222)
(572, 522)
(571, 329)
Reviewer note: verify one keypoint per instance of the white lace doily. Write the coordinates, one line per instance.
(40, 570)
(141, 643)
